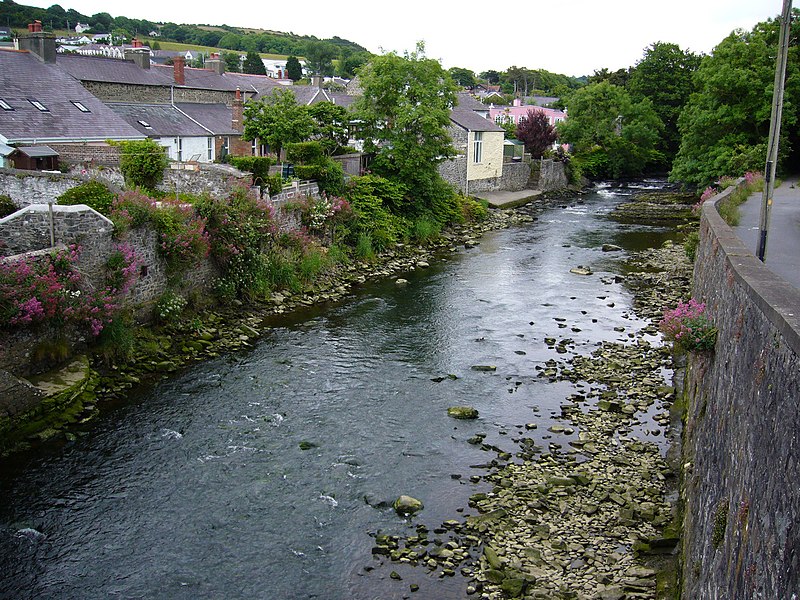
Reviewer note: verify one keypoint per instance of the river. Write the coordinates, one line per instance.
(264, 474)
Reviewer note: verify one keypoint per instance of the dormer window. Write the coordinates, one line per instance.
(38, 105)
(144, 124)
(80, 106)
(5, 105)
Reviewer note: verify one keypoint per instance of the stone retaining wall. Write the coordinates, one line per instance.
(742, 433)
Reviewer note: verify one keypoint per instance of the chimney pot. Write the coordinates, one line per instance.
(237, 117)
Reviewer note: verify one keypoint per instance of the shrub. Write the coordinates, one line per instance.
(364, 250)
(424, 230)
(689, 327)
(474, 211)
(690, 245)
(7, 206)
(92, 193)
(257, 165)
(142, 162)
(305, 153)
(169, 307)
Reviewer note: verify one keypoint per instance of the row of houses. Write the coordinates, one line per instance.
(71, 106)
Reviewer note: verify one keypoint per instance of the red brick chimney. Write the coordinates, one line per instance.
(178, 66)
(136, 43)
(237, 120)
(35, 27)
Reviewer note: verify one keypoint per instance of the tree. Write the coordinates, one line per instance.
(294, 70)
(613, 135)
(233, 62)
(536, 132)
(405, 112)
(725, 124)
(618, 77)
(253, 64)
(330, 125)
(319, 57)
(277, 120)
(491, 77)
(463, 77)
(665, 76)
(142, 163)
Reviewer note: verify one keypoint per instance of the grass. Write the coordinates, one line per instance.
(729, 208)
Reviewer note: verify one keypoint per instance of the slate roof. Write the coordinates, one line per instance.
(342, 99)
(23, 77)
(37, 151)
(472, 121)
(114, 70)
(163, 120)
(216, 117)
(258, 84)
(469, 102)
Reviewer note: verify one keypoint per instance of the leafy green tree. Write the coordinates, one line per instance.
(491, 77)
(330, 125)
(665, 76)
(463, 77)
(536, 132)
(606, 125)
(233, 62)
(277, 120)
(351, 63)
(618, 77)
(294, 70)
(405, 112)
(725, 124)
(142, 163)
(253, 64)
(319, 57)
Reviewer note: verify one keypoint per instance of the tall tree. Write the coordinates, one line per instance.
(253, 64)
(405, 112)
(294, 70)
(491, 77)
(233, 62)
(463, 77)
(725, 124)
(611, 134)
(319, 57)
(330, 125)
(277, 120)
(536, 132)
(664, 74)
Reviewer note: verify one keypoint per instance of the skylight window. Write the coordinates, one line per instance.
(38, 105)
(144, 124)
(80, 106)
(5, 105)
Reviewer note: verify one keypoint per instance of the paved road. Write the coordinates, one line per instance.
(783, 237)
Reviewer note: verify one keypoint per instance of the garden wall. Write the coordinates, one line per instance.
(742, 433)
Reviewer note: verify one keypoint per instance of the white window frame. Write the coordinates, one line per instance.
(477, 146)
(210, 148)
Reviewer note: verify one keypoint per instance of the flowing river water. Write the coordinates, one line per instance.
(266, 473)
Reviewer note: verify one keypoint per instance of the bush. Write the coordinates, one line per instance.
(257, 165)
(169, 307)
(7, 206)
(142, 163)
(689, 327)
(690, 245)
(92, 193)
(305, 153)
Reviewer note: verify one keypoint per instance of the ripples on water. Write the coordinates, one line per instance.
(201, 487)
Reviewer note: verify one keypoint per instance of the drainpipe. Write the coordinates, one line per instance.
(52, 224)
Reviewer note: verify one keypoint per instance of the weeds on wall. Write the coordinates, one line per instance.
(689, 327)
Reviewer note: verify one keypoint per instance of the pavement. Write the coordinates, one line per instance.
(783, 234)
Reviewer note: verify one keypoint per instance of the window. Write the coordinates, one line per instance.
(226, 146)
(80, 106)
(5, 105)
(38, 105)
(210, 148)
(477, 154)
(254, 148)
(144, 124)
(179, 143)
(498, 119)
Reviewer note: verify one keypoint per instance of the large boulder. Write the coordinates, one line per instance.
(406, 505)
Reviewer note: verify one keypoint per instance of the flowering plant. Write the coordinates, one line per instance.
(689, 327)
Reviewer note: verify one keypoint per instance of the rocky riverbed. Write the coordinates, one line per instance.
(592, 518)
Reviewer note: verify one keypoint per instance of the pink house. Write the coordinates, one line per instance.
(517, 112)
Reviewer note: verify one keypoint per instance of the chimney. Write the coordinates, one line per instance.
(139, 55)
(517, 102)
(316, 81)
(237, 119)
(215, 63)
(178, 65)
(136, 43)
(40, 44)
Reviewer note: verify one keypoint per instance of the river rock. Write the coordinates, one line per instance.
(611, 248)
(581, 270)
(406, 505)
(463, 412)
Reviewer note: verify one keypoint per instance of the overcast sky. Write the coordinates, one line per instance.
(572, 37)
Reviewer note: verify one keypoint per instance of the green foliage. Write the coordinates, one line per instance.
(319, 57)
(405, 112)
(364, 249)
(370, 198)
(253, 64)
(92, 193)
(463, 77)
(169, 307)
(277, 120)
(142, 163)
(331, 126)
(605, 121)
(664, 75)
(473, 211)
(424, 230)
(720, 524)
(690, 245)
(117, 340)
(7, 206)
(725, 124)
(257, 165)
(233, 61)
(305, 153)
(294, 70)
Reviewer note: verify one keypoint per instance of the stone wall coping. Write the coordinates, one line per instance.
(57, 208)
(777, 299)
